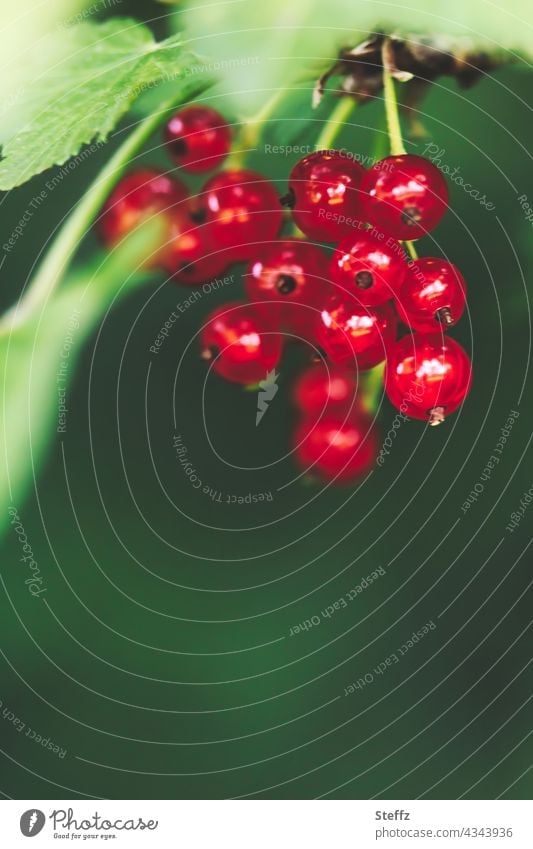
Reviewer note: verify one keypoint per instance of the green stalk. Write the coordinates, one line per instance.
(372, 388)
(335, 123)
(250, 134)
(391, 112)
(397, 147)
(411, 250)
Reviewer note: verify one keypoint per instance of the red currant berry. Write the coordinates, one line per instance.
(242, 344)
(371, 268)
(427, 377)
(404, 196)
(324, 194)
(187, 256)
(288, 270)
(198, 138)
(326, 390)
(336, 447)
(138, 195)
(433, 295)
(352, 334)
(241, 209)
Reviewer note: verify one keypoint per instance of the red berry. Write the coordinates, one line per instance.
(322, 390)
(288, 271)
(241, 209)
(337, 447)
(372, 268)
(404, 196)
(188, 256)
(198, 138)
(139, 195)
(324, 194)
(433, 295)
(352, 334)
(427, 377)
(242, 344)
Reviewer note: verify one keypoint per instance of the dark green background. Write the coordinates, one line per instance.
(162, 659)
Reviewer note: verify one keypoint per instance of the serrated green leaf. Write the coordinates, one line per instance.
(97, 72)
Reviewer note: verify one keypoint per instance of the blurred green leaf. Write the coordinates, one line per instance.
(38, 359)
(279, 41)
(85, 78)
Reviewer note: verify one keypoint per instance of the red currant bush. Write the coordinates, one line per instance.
(139, 195)
(427, 376)
(336, 447)
(368, 266)
(355, 335)
(325, 390)
(324, 194)
(404, 196)
(198, 139)
(241, 343)
(241, 210)
(433, 295)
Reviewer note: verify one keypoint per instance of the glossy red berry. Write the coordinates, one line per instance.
(433, 295)
(355, 335)
(198, 138)
(322, 390)
(372, 268)
(324, 194)
(242, 345)
(188, 256)
(427, 377)
(290, 270)
(336, 447)
(139, 195)
(404, 196)
(241, 210)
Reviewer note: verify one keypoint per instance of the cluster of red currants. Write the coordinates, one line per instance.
(349, 305)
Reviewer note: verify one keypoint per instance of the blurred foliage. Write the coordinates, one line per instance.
(281, 41)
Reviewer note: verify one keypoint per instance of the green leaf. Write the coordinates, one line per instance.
(84, 80)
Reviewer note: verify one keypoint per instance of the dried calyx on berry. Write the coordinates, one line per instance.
(417, 60)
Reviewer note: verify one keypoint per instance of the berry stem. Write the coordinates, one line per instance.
(411, 250)
(372, 388)
(335, 123)
(394, 129)
(248, 137)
